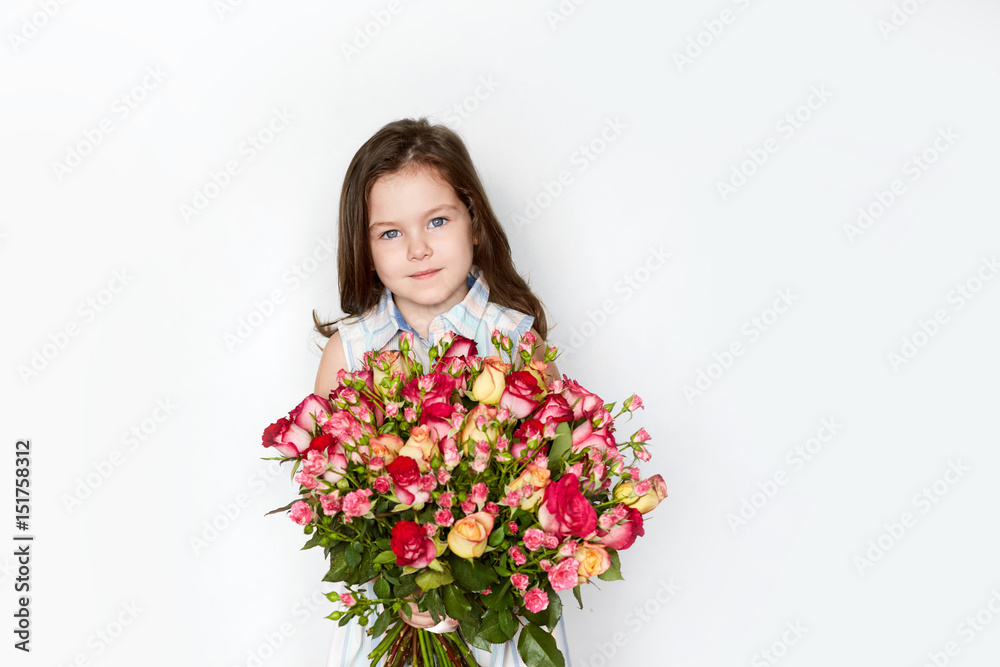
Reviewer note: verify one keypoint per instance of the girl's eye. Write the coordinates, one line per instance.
(396, 231)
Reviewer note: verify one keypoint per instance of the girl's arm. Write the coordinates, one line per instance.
(330, 363)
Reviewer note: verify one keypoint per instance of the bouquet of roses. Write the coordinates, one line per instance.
(471, 493)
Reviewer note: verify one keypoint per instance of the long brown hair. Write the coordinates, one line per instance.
(408, 143)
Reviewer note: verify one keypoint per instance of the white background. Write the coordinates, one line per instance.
(123, 540)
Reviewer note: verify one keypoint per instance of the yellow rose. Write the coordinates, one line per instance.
(420, 447)
(386, 364)
(538, 369)
(537, 477)
(594, 560)
(472, 432)
(386, 445)
(489, 386)
(644, 503)
(468, 536)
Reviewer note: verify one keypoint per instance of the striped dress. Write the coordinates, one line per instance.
(475, 318)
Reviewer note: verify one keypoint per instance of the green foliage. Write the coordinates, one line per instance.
(538, 648)
(614, 572)
(472, 574)
(498, 626)
(456, 604)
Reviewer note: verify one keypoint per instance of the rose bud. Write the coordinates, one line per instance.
(644, 503)
(489, 386)
(467, 538)
(594, 560)
(387, 364)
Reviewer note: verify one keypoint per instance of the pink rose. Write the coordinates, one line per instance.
(554, 408)
(444, 518)
(519, 581)
(583, 403)
(533, 539)
(306, 480)
(287, 437)
(357, 503)
(585, 437)
(564, 575)
(478, 493)
(491, 508)
(331, 503)
(536, 600)
(461, 347)
(310, 411)
(302, 513)
(347, 599)
(521, 394)
(512, 527)
(382, 484)
(517, 556)
(619, 537)
(428, 389)
(315, 461)
(406, 481)
(565, 511)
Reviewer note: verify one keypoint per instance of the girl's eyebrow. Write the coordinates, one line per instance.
(442, 207)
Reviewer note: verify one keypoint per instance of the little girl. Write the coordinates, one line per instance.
(421, 251)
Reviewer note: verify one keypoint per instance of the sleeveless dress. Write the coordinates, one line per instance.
(475, 318)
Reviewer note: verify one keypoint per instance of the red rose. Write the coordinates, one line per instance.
(520, 394)
(623, 535)
(404, 471)
(565, 511)
(411, 545)
(553, 409)
(322, 443)
(286, 437)
(461, 347)
(437, 417)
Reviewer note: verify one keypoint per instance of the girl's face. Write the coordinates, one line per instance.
(417, 224)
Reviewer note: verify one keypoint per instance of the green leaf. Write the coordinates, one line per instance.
(456, 604)
(352, 557)
(500, 598)
(560, 446)
(407, 585)
(382, 622)
(496, 537)
(385, 557)
(434, 604)
(538, 648)
(313, 541)
(382, 589)
(472, 574)
(339, 569)
(498, 626)
(614, 572)
(470, 632)
(576, 594)
(431, 579)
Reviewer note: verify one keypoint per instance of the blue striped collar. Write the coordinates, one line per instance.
(463, 318)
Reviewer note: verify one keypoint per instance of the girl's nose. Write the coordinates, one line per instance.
(418, 248)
